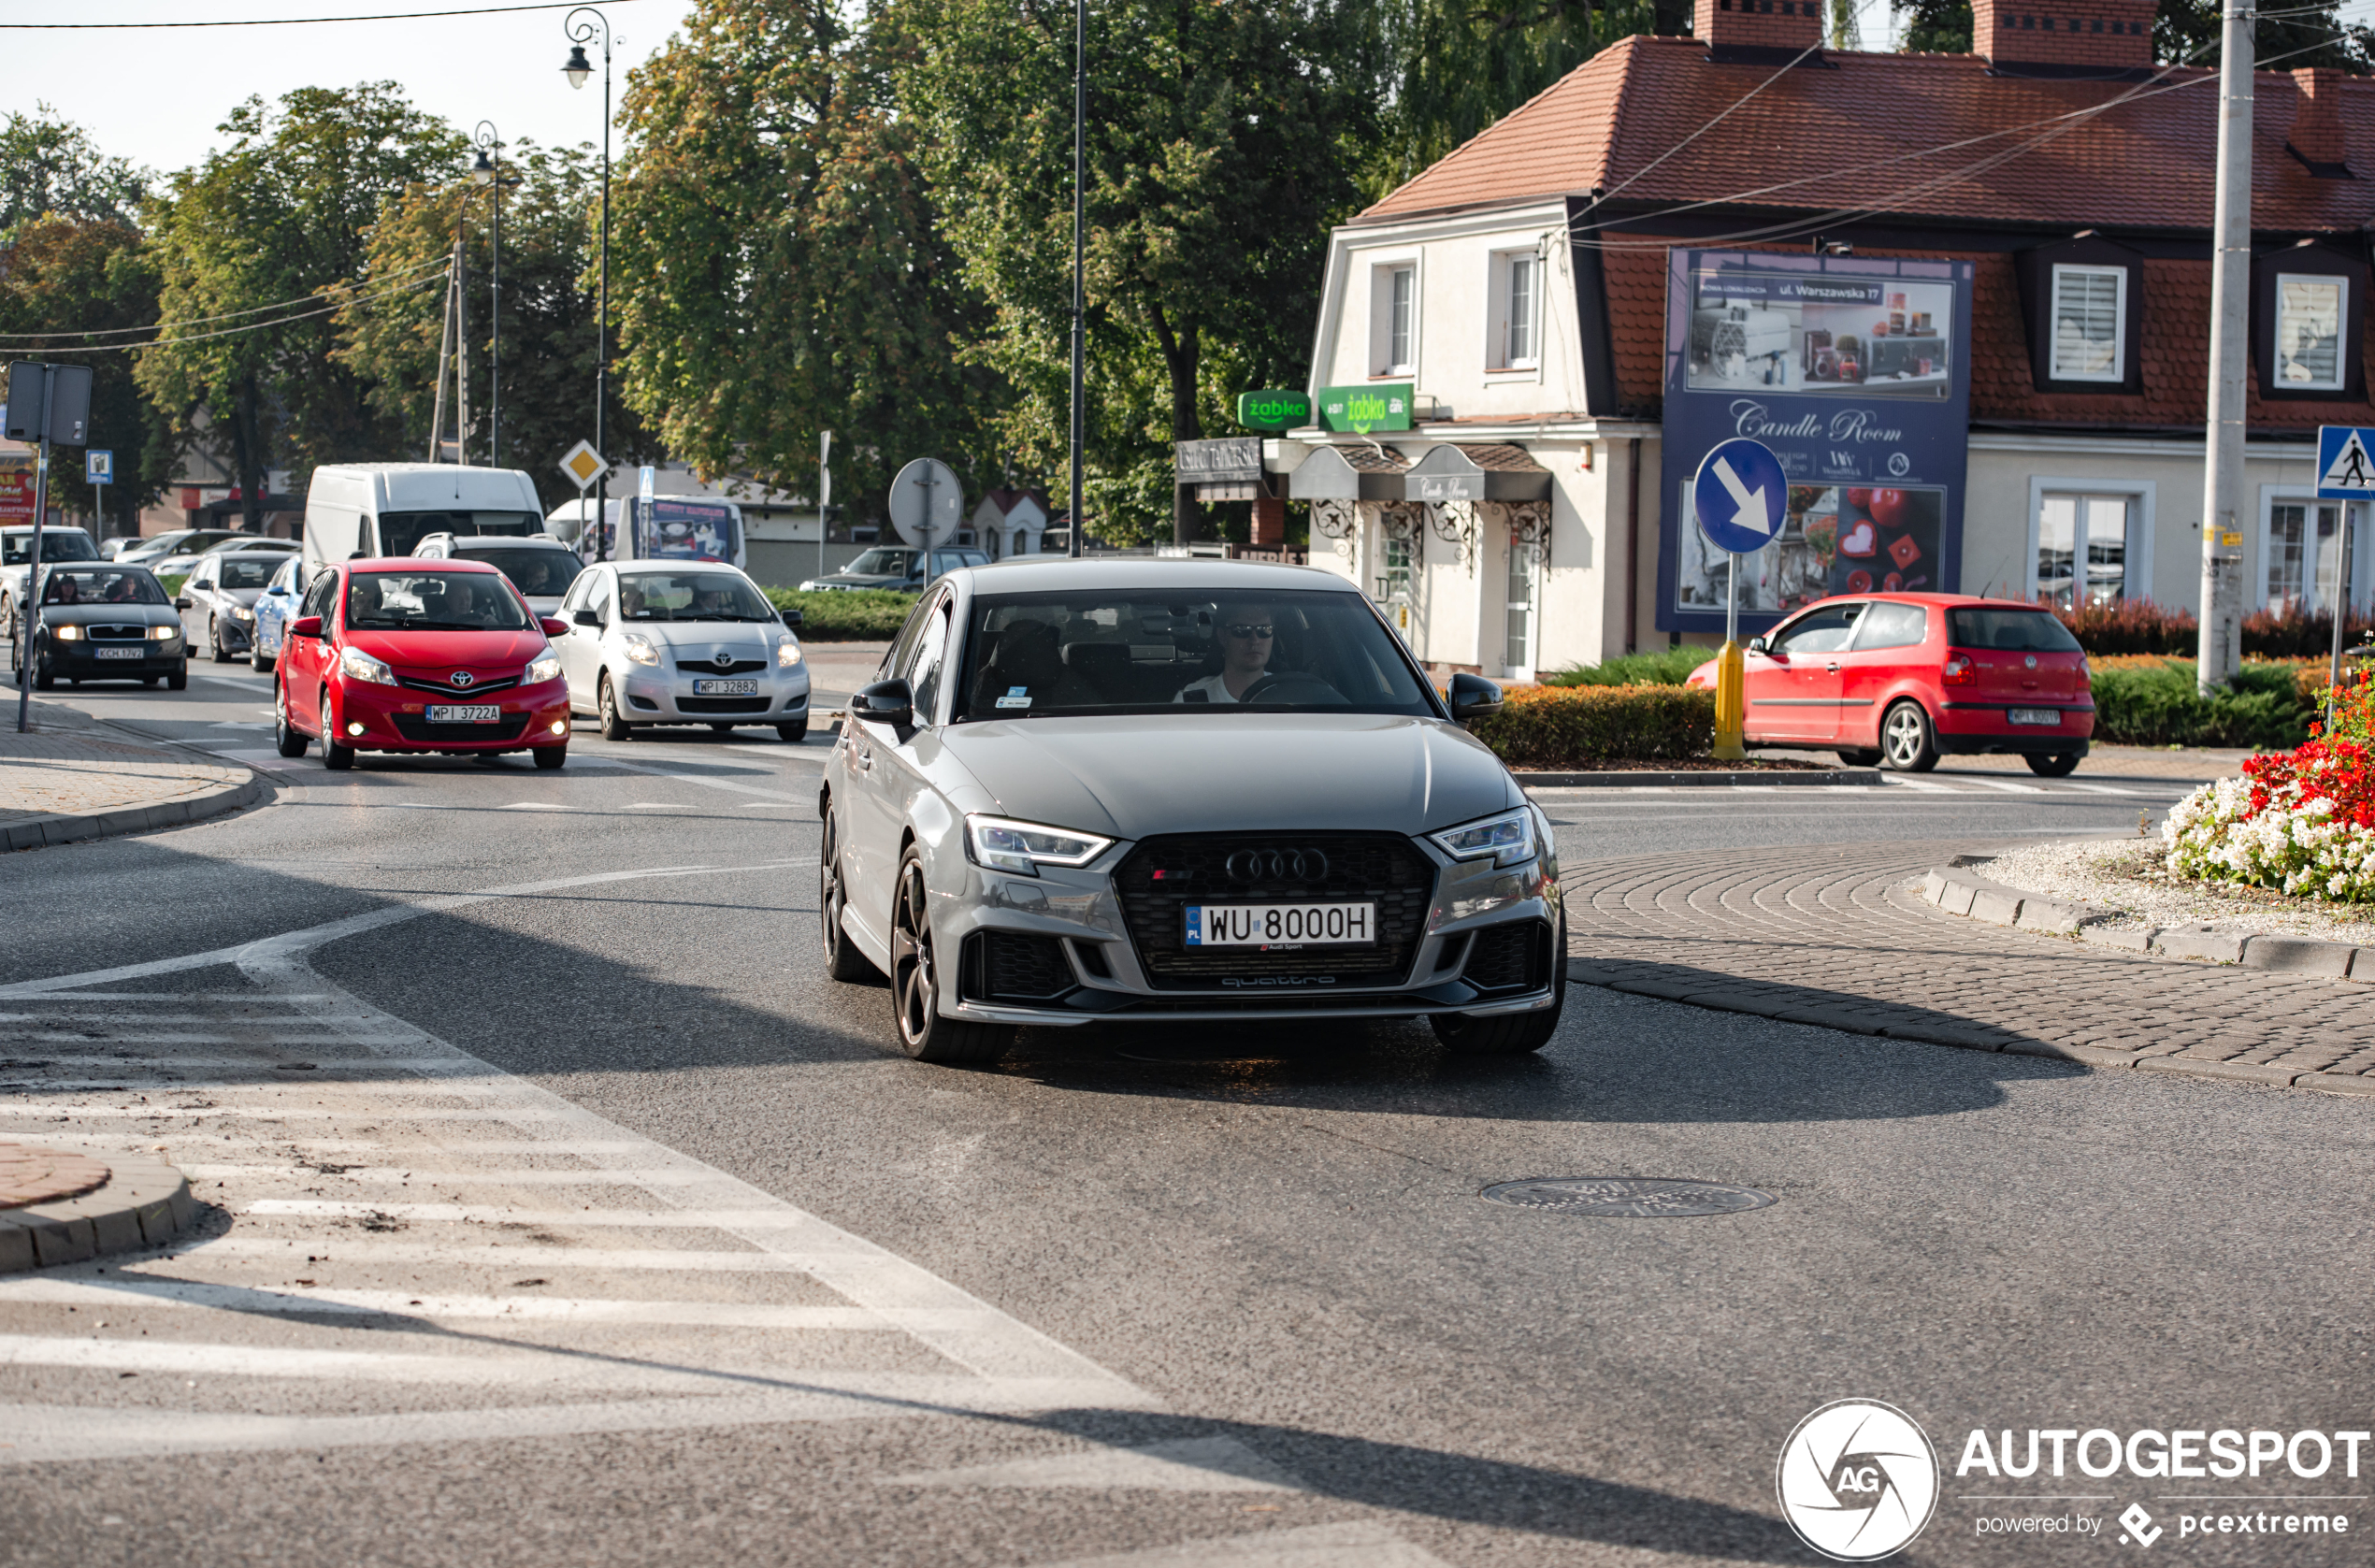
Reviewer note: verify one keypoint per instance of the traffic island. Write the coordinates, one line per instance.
(69, 1205)
(68, 780)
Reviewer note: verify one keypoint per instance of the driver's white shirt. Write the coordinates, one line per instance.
(1215, 687)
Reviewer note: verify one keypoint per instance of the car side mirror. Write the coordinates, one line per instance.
(794, 619)
(1473, 697)
(305, 625)
(552, 627)
(181, 601)
(1756, 645)
(587, 617)
(890, 702)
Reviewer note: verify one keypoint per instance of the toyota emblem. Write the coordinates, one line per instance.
(1278, 865)
(724, 658)
(460, 678)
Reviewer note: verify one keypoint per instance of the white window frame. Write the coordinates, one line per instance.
(2358, 513)
(1382, 272)
(2118, 372)
(2140, 495)
(2341, 333)
(1498, 321)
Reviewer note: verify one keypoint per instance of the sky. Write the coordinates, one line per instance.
(156, 96)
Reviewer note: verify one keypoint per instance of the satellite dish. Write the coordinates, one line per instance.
(927, 504)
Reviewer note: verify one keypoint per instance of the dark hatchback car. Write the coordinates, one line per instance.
(105, 621)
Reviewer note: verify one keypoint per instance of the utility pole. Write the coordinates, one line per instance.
(2221, 652)
(1080, 118)
(444, 356)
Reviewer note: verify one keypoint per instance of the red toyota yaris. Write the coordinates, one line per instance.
(1903, 678)
(412, 654)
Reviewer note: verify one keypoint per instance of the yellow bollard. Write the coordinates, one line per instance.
(1731, 703)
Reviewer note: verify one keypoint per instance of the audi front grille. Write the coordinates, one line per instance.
(1163, 876)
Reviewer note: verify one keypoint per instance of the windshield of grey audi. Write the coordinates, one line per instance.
(433, 601)
(1051, 654)
(691, 595)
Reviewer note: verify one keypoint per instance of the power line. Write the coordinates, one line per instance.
(203, 321)
(416, 285)
(286, 21)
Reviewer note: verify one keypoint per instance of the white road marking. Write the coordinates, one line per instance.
(369, 1173)
(2005, 784)
(1358, 1543)
(2103, 788)
(736, 785)
(534, 806)
(764, 1220)
(1897, 781)
(1211, 1464)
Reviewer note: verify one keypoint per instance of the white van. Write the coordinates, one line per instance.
(387, 508)
(666, 528)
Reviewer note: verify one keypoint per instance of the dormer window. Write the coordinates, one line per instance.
(1393, 319)
(2309, 332)
(2309, 315)
(1514, 328)
(2089, 324)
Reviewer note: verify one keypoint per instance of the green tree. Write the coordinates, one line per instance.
(2184, 33)
(390, 340)
(67, 283)
(50, 166)
(1221, 140)
(282, 214)
(777, 265)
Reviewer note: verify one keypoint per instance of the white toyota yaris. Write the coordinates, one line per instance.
(676, 642)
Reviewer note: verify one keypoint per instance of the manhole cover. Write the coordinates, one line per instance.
(1628, 1196)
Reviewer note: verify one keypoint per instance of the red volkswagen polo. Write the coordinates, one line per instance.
(1902, 678)
(409, 655)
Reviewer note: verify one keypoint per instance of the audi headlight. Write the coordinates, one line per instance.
(1023, 847)
(546, 669)
(636, 646)
(1508, 838)
(787, 653)
(163, 633)
(359, 666)
(66, 634)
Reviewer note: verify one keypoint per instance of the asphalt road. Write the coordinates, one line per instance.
(1151, 1298)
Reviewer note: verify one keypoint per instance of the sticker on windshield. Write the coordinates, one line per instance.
(1016, 696)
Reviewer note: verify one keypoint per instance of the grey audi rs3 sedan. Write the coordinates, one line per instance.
(1143, 791)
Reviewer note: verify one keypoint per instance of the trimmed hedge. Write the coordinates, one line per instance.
(1581, 727)
(1663, 667)
(848, 615)
(2143, 700)
(2142, 627)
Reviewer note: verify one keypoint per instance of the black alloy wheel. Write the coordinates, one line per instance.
(334, 757)
(842, 961)
(1907, 741)
(1509, 1034)
(287, 739)
(215, 636)
(606, 702)
(923, 1033)
(2059, 766)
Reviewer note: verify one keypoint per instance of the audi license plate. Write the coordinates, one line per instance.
(726, 688)
(2036, 715)
(476, 713)
(118, 652)
(1281, 925)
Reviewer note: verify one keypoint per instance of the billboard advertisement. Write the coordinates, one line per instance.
(1856, 372)
(15, 489)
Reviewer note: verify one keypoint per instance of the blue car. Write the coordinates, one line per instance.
(275, 608)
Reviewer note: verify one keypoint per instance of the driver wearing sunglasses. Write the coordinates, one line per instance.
(1247, 633)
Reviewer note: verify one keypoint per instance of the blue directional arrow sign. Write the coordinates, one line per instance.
(2345, 462)
(1739, 495)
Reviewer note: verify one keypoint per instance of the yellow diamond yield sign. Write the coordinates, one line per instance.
(584, 464)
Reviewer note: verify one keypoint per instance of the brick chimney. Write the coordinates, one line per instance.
(1753, 30)
(2062, 37)
(2317, 138)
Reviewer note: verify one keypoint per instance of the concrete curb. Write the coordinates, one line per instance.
(1611, 779)
(1957, 890)
(144, 1203)
(41, 832)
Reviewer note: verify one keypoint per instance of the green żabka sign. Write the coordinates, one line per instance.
(1274, 411)
(1363, 409)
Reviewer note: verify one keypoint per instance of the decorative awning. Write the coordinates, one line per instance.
(1348, 473)
(1496, 471)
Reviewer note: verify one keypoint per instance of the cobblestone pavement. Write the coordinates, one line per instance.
(65, 767)
(35, 1175)
(1841, 938)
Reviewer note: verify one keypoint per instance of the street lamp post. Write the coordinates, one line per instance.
(488, 169)
(582, 26)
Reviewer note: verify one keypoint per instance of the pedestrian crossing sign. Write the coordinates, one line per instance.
(2345, 462)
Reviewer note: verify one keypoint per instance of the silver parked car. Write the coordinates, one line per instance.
(1203, 791)
(680, 642)
(217, 599)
